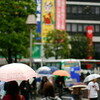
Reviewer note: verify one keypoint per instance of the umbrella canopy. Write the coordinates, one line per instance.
(44, 71)
(61, 73)
(53, 68)
(16, 71)
(79, 85)
(91, 77)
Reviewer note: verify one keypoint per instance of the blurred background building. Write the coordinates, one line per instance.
(81, 14)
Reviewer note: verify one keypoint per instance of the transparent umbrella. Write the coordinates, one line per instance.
(16, 71)
(91, 77)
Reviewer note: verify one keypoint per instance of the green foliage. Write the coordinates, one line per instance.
(80, 47)
(14, 34)
(57, 44)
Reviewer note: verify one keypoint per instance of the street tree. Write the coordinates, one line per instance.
(14, 34)
(80, 48)
(57, 45)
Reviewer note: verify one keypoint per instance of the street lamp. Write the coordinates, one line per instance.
(31, 22)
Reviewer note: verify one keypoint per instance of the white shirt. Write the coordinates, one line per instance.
(93, 92)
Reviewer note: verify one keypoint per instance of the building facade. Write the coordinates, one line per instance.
(83, 13)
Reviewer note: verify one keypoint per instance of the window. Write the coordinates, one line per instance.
(97, 28)
(85, 28)
(79, 27)
(68, 9)
(93, 10)
(74, 9)
(79, 10)
(74, 27)
(97, 10)
(68, 27)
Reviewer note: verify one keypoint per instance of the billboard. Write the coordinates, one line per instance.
(48, 17)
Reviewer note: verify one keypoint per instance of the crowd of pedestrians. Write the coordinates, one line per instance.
(29, 91)
(46, 90)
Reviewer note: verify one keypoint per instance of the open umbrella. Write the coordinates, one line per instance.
(16, 71)
(44, 71)
(53, 68)
(91, 77)
(61, 73)
(78, 85)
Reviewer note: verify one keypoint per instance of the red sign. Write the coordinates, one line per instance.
(89, 34)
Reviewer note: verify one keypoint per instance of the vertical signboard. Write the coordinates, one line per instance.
(48, 17)
(89, 34)
(61, 14)
(38, 13)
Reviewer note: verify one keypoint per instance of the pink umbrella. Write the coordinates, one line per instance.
(16, 71)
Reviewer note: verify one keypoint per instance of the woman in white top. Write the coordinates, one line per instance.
(93, 88)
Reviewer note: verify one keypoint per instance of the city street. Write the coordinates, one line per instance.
(66, 96)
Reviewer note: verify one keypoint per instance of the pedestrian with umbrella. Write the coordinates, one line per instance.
(25, 89)
(13, 92)
(93, 86)
(18, 72)
(77, 90)
(60, 82)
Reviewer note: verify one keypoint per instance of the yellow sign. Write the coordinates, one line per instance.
(48, 17)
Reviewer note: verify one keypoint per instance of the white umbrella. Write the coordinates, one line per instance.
(91, 77)
(16, 71)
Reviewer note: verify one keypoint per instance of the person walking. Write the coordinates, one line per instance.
(42, 82)
(12, 92)
(59, 84)
(93, 88)
(25, 89)
(77, 93)
(49, 92)
(33, 88)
